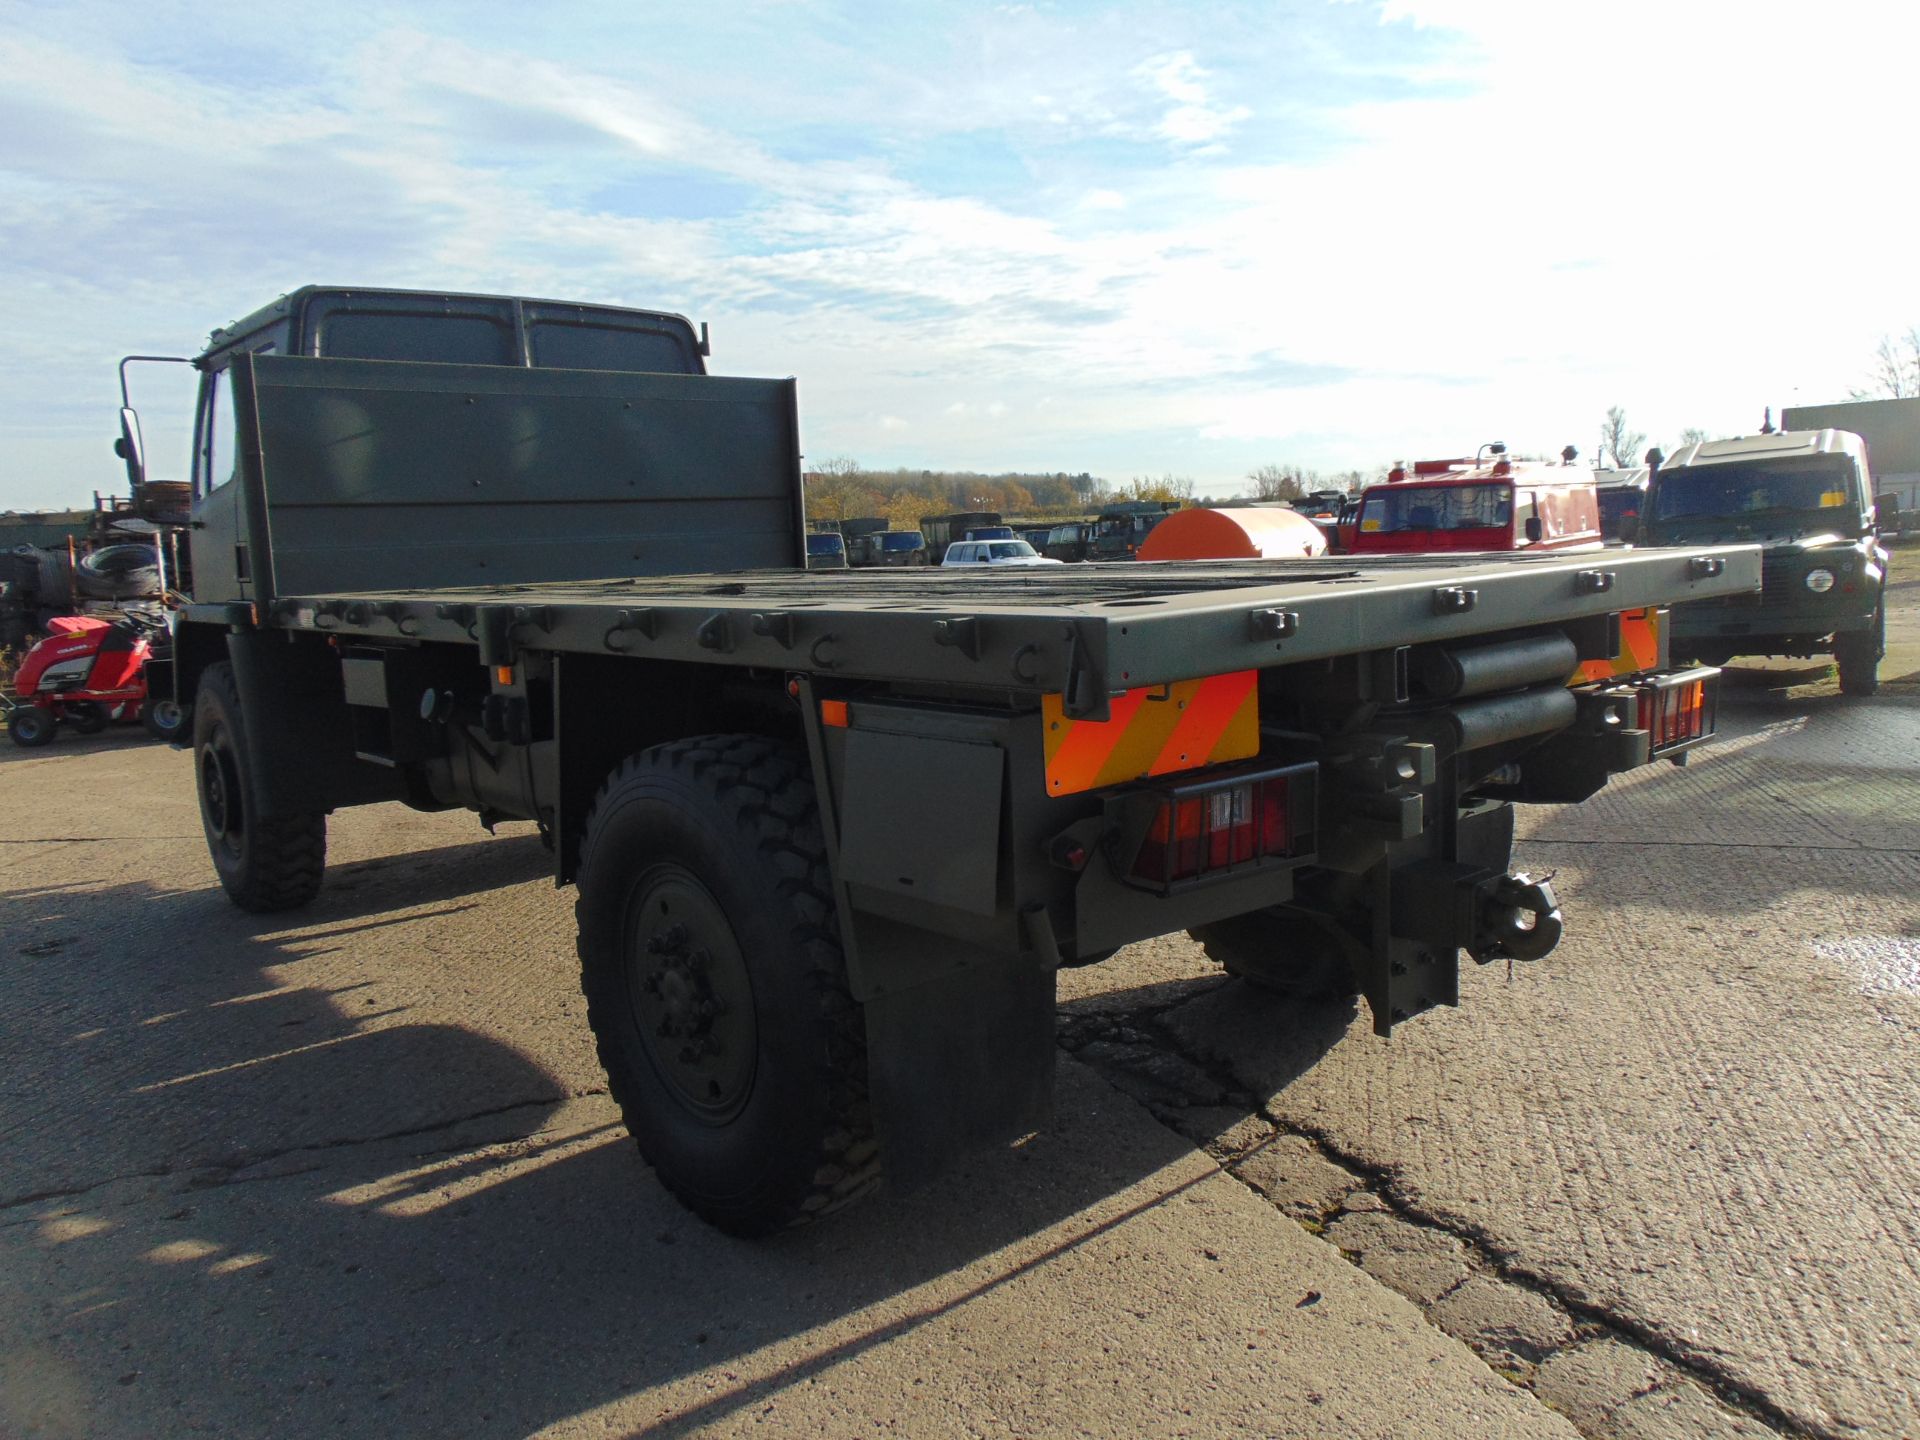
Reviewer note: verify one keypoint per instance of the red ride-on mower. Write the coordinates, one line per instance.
(90, 671)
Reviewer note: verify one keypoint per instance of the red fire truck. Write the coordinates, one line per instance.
(1487, 503)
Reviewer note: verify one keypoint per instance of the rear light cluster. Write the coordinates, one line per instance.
(1675, 714)
(1200, 831)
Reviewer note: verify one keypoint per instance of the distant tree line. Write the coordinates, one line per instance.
(842, 488)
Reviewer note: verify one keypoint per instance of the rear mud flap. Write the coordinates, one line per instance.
(959, 1062)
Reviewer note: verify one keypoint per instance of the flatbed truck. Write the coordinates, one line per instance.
(833, 834)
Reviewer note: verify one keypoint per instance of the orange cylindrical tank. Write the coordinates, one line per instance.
(1236, 534)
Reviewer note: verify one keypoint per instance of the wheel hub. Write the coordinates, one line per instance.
(219, 794)
(690, 996)
(689, 1006)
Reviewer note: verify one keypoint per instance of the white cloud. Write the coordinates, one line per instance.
(1193, 118)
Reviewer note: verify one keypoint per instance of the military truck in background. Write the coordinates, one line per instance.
(833, 834)
(1119, 529)
(1068, 540)
(1806, 496)
(888, 550)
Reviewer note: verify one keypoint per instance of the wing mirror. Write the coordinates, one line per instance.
(1885, 507)
(1629, 528)
(1534, 532)
(129, 448)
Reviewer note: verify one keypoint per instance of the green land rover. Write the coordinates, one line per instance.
(1807, 497)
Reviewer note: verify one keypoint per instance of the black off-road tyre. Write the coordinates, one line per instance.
(1859, 652)
(30, 727)
(716, 986)
(265, 864)
(1281, 951)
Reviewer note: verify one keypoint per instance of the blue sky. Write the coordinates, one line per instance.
(1134, 239)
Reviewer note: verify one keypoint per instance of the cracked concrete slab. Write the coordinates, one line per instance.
(1421, 1263)
(1294, 1175)
(1505, 1324)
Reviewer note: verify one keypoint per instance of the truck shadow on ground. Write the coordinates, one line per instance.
(69, 742)
(244, 1205)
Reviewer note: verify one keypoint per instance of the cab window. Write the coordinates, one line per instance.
(219, 441)
(219, 435)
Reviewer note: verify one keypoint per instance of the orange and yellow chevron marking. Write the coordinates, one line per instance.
(1156, 731)
(1639, 649)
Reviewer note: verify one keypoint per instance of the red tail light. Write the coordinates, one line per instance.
(1675, 714)
(1198, 831)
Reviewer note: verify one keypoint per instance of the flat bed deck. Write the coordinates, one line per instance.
(1116, 625)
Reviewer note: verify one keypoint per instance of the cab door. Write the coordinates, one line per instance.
(222, 566)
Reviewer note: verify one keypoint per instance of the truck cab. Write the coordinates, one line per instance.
(1806, 496)
(1467, 505)
(398, 325)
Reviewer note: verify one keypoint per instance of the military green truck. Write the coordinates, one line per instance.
(834, 833)
(1806, 497)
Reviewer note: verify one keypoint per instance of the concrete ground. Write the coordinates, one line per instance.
(354, 1171)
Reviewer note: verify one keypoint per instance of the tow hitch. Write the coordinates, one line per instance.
(1521, 919)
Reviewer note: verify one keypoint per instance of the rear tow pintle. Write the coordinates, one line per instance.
(1521, 919)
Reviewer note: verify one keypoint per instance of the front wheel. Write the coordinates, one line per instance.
(265, 862)
(716, 987)
(164, 719)
(30, 727)
(1858, 654)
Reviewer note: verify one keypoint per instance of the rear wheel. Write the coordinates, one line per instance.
(265, 863)
(164, 719)
(716, 987)
(86, 717)
(30, 727)
(1281, 950)
(1858, 654)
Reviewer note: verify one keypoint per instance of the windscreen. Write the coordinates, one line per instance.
(1436, 507)
(901, 540)
(825, 545)
(1822, 482)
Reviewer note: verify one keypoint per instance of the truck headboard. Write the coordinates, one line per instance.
(378, 474)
